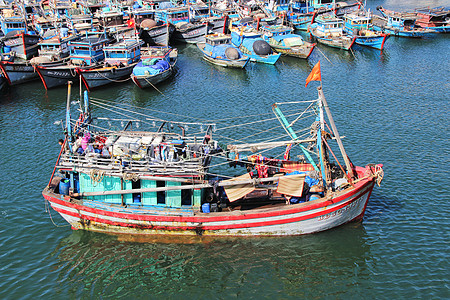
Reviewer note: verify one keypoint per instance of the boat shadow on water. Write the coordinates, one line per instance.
(88, 262)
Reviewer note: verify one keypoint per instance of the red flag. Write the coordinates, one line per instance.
(131, 23)
(314, 75)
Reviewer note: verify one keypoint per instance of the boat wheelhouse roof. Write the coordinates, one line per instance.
(322, 19)
(355, 17)
(217, 38)
(155, 51)
(279, 38)
(123, 45)
(277, 29)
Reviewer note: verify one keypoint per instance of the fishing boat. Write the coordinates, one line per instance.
(120, 59)
(18, 39)
(185, 31)
(329, 30)
(152, 32)
(402, 24)
(85, 52)
(282, 40)
(359, 25)
(161, 181)
(157, 64)
(250, 42)
(436, 18)
(218, 50)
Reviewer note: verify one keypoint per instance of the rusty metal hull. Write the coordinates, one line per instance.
(304, 218)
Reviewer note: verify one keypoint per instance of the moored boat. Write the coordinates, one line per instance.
(218, 50)
(282, 39)
(359, 25)
(436, 18)
(157, 181)
(120, 59)
(157, 64)
(87, 51)
(402, 24)
(329, 30)
(250, 42)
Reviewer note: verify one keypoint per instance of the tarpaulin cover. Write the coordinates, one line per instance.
(219, 51)
(248, 43)
(291, 185)
(235, 192)
(290, 40)
(140, 69)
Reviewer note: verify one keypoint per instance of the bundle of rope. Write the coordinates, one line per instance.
(96, 176)
(130, 176)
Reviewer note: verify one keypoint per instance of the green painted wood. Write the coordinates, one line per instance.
(173, 198)
(148, 198)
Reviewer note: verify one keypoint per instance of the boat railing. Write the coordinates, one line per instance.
(91, 161)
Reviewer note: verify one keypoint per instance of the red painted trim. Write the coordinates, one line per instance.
(384, 40)
(315, 44)
(354, 39)
(37, 68)
(360, 217)
(136, 81)
(215, 227)
(23, 44)
(5, 73)
(80, 73)
(202, 219)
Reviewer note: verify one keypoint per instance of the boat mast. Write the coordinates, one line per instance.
(68, 126)
(335, 131)
(320, 145)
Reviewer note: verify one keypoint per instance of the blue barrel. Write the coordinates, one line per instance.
(314, 197)
(137, 198)
(64, 186)
(6, 49)
(205, 208)
(77, 185)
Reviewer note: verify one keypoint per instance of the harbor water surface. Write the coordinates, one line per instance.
(391, 106)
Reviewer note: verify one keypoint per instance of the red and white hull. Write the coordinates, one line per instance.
(313, 216)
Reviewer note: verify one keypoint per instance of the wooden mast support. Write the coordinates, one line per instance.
(335, 131)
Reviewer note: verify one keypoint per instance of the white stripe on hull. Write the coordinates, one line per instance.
(309, 225)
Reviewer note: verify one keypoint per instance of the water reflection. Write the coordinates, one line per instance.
(92, 264)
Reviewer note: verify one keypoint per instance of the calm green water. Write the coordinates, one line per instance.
(393, 108)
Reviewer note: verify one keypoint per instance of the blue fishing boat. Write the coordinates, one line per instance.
(120, 59)
(157, 64)
(185, 31)
(329, 30)
(152, 32)
(401, 24)
(218, 50)
(360, 26)
(282, 40)
(87, 51)
(250, 42)
(17, 38)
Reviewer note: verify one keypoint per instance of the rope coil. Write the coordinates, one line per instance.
(96, 176)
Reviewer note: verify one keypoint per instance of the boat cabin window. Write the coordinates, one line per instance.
(186, 196)
(15, 25)
(136, 196)
(161, 195)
